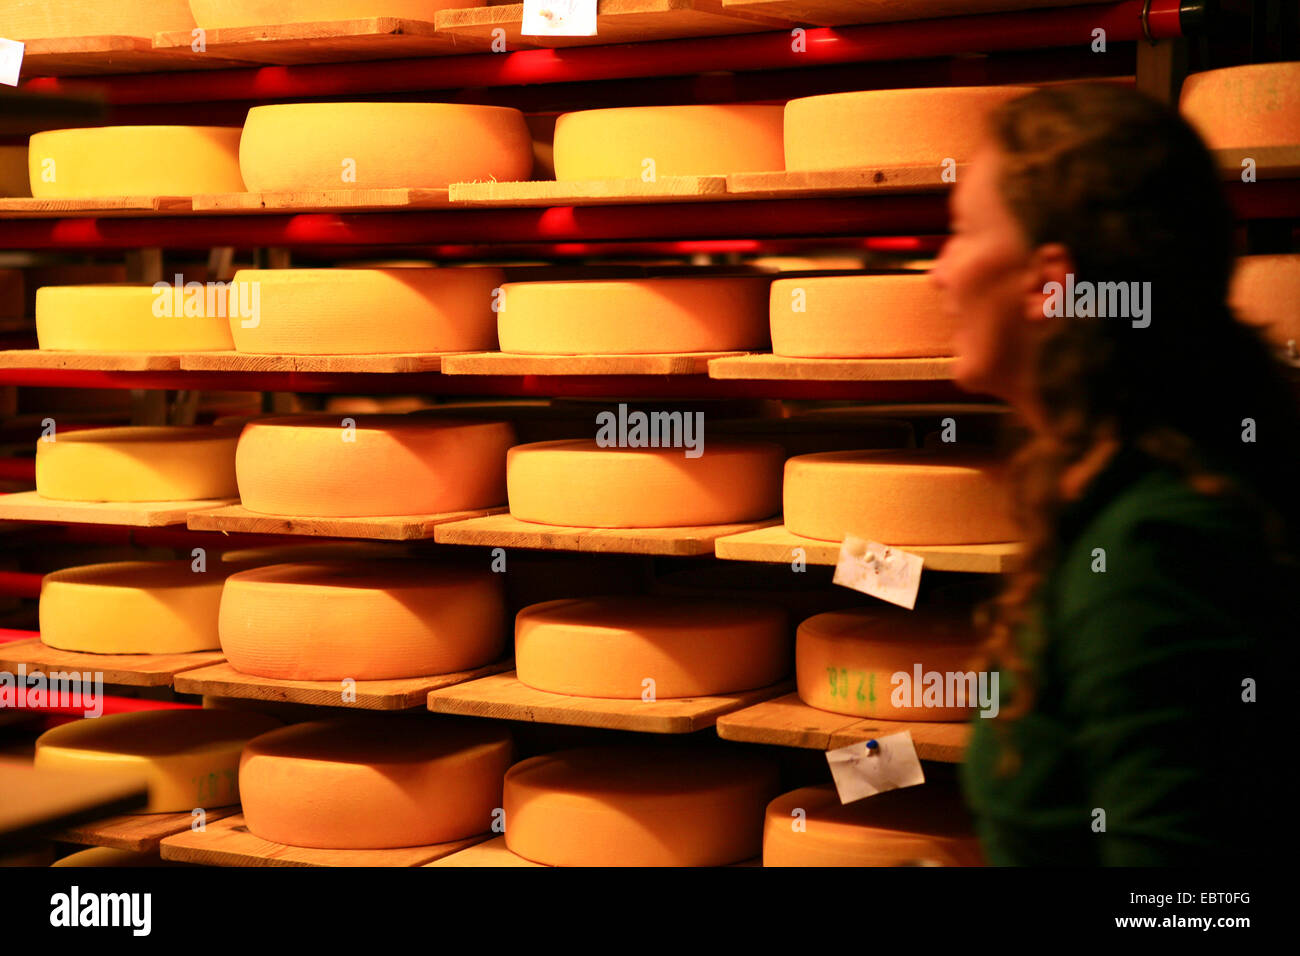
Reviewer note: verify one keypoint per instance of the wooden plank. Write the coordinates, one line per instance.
(135, 670)
(228, 842)
(777, 367)
(90, 55)
(588, 192)
(803, 184)
(141, 832)
(321, 200)
(37, 801)
(515, 363)
(1271, 162)
(29, 506)
(846, 12)
(504, 697)
(489, 853)
(392, 362)
(403, 694)
(90, 361)
(326, 41)
(775, 545)
(28, 208)
(234, 517)
(503, 530)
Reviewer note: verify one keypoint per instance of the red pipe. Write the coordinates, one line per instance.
(9, 634)
(18, 469)
(20, 584)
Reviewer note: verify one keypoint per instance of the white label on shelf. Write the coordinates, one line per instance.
(11, 61)
(560, 18)
(861, 770)
(879, 570)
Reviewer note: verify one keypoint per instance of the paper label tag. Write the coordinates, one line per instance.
(863, 771)
(11, 61)
(563, 18)
(879, 570)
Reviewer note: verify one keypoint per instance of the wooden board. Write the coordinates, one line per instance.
(394, 362)
(141, 832)
(504, 697)
(135, 670)
(38, 801)
(1271, 162)
(228, 843)
(838, 182)
(489, 853)
(224, 681)
(90, 361)
(591, 192)
(789, 722)
(845, 12)
(27, 208)
(234, 517)
(90, 55)
(777, 367)
(775, 545)
(515, 363)
(29, 506)
(503, 530)
(321, 200)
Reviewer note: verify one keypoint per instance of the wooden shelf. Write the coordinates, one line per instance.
(90, 361)
(592, 192)
(789, 722)
(503, 530)
(222, 680)
(235, 518)
(29, 506)
(776, 545)
(37, 801)
(511, 363)
(866, 180)
(141, 832)
(776, 367)
(91, 55)
(394, 363)
(504, 697)
(845, 12)
(133, 670)
(321, 200)
(26, 208)
(1271, 162)
(490, 853)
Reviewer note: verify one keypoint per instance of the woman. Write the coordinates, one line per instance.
(1158, 490)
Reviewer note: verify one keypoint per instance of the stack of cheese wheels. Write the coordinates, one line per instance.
(339, 311)
(189, 757)
(627, 647)
(138, 463)
(880, 316)
(634, 316)
(579, 484)
(915, 826)
(258, 13)
(40, 19)
(1266, 292)
(111, 856)
(365, 620)
(888, 663)
(13, 171)
(922, 127)
(360, 783)
(1245, 107)
(371, 465)
(134, 161)
(651, 142)
(133, 607)
(382, 145)
(131, 318)
(638, 805)
(898, 497)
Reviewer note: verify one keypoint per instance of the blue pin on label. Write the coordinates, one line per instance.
(872, 745)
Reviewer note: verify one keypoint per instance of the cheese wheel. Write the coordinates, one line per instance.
(374, 620)
(258, 13)
(138, 463)
(887, 316)
(130, 318)
(1245, 107)
(13, 170)
(610, 647)
(913, 826)
(898, 498)
(190, 757)
(579, 484)
(42, 19)
(1266, 291)
(364, 783)
(890, 127)
(382, 145)
(133, 607)
(694, 140)
(340, 311)
(638, 805)
(880, 662)
(111, 856)
(634, 316)
(378, 465)
(134, 161)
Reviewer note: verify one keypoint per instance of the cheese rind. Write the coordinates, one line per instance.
(1266, 292)
(367, 783)
(134, 161)
(638, 805)
(126, 318)
(885, 316)
(41, 19)
(257, 13)
(1244, 107)
(579, 484)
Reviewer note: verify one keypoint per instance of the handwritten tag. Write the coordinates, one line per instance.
(861, 770)
(11, 61)
(561, 18)
(879, 570)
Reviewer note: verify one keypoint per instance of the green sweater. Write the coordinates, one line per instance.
(1139, 707)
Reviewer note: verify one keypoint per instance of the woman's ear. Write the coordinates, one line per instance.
(1048, 277)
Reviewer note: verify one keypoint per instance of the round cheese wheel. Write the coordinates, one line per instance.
(129, 318)
(111, 856)
(638, 805)
(1245, 107)
(610, 647)
(134, 161)
(890, 127)
(922, 825)
(886, 316)
(1266, 291)
(382, 145)
(373, 620)
(579, 484)
(898, 498)
(133, 607)
(378, 465)
(258, 13)
(13, 170)
(880, 662)
(340, 311)
(694, 140)
(41, 19)
(632, 316)
(359, 783)
(138, 463)
(189, 757)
